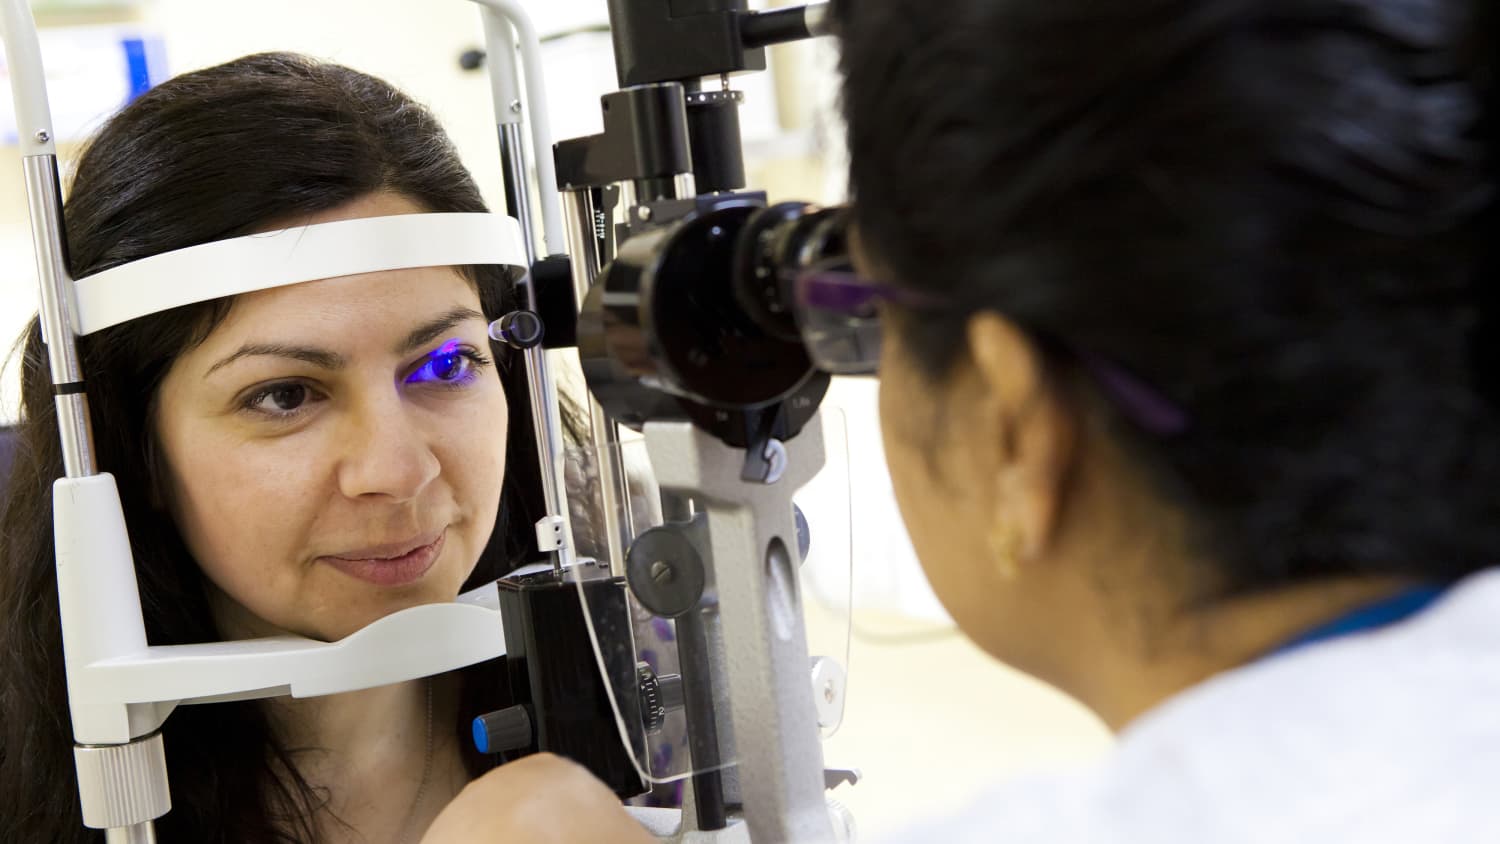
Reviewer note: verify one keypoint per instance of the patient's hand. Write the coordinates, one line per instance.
(541, 799)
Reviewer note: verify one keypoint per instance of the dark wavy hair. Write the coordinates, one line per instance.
(1278, 213)
(206, 156)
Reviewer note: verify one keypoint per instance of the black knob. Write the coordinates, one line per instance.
(653, 710)
(665, 572)
(670, 688)
(503, 731)
(518, 329)
(659, 695)
(471, 59)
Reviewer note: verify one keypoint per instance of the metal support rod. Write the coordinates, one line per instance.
(603, 435)
(703, 734)
(501, 50)
(141, 833)
(578, 212)
(518, 186)
(696, 656)
(546, 415)
(44, 196)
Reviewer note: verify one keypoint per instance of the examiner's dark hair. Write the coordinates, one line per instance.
(1279, 213)
(205, 156)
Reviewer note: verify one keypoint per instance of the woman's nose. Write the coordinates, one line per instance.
(386, 454)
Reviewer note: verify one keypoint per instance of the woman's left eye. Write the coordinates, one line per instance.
(448, 366)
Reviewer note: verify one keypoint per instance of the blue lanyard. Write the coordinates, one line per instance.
(1382, 613)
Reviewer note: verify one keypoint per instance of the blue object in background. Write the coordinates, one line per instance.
(86, 65)
(137, 67)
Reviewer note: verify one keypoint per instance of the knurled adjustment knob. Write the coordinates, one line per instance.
(653, 708)
(503, 731)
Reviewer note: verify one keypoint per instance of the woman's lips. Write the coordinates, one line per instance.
(393, 571)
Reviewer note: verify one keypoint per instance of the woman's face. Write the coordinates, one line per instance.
(334, 450)
(938, 472)
(978, 457)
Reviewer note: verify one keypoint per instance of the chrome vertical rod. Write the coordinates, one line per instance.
(546, 415)
(44, 196)
(578, 218)
(141, 833)
(518, 185)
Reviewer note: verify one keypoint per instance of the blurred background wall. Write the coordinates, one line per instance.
(930, 719)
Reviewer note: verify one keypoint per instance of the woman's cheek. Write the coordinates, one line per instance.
(473, 456)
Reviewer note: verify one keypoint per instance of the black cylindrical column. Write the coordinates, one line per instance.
(713, 119)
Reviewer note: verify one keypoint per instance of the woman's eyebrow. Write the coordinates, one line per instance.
(429, 331)
(317, 357)
(324, 359)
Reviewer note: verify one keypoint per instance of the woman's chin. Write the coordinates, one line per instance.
(335, 629)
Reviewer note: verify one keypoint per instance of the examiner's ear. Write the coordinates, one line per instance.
(1036, 433)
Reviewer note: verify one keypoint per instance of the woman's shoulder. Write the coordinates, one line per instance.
(1401, 677)
(1388, 736)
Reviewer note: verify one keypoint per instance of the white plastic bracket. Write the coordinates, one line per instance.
(551, 533)
(120, 688)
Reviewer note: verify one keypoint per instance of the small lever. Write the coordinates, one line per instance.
(835, 777)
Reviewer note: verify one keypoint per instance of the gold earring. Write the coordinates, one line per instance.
(1005, 550)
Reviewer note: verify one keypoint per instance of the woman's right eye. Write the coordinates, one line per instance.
(279, 400)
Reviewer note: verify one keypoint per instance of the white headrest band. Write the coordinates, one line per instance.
(292, 256)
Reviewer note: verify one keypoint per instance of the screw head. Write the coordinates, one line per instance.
(828, 690)
(662, 573)
(643, 213)
(515, 106)
(43, 137)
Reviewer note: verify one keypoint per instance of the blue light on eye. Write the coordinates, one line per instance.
(445, 364)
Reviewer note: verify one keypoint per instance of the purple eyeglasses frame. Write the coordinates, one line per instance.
(855, 296)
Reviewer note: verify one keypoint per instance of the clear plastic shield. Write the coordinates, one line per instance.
(673, 710)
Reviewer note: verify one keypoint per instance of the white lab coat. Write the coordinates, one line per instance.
(1391, 735)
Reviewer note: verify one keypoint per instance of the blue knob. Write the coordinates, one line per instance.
(503, 731)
